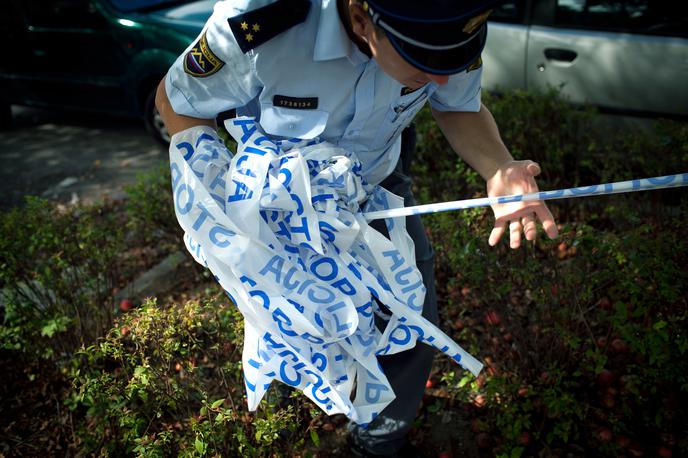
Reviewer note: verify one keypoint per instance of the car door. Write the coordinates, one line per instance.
(629, 55)
(75, 60)
(504, 55)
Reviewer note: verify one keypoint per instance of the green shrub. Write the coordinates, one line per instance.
(584, 338)
(57, 272)
(167, 381)
(150, 208)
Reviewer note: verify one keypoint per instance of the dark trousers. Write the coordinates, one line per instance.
(407, 371)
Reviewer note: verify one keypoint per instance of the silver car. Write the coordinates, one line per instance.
(628, 55)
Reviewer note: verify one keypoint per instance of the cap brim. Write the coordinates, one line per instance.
(445, 62)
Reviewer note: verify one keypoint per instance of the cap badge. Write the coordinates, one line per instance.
(476, 22)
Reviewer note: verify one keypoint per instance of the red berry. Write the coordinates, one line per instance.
(619, 346)
(459, 325)
(429, 383)
(124, 331)
(480, 400)
(125, 305)
(444, 455)
(604, 303)
(525, 438)
(664, 452)
(623, 441)
(492, 318)
(605, 434)
(601, 342)
(605, 378)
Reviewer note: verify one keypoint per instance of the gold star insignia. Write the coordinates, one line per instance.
(249, 37)
(256, 28)
(244, 26)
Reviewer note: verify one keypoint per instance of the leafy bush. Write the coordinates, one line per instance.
(57, 273)
(167, 381)
(150, 208)
(584, 338)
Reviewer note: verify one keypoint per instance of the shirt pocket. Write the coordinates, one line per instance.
(399, 115)
(292, 123)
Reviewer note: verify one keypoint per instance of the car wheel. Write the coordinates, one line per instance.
(153, 121)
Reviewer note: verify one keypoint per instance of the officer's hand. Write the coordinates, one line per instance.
(517, 177)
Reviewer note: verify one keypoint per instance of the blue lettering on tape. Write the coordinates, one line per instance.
(373, 392)
(202, 216)
(325, 274)
(248, 127)
(189, 149)
(296, 381)
(175, 174)
(584, 190)
(218, 231)
(401, 335)
(184, 209)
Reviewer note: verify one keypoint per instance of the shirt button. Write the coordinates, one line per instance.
(292, 126)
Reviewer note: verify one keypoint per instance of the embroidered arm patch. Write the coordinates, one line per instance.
(201, 61)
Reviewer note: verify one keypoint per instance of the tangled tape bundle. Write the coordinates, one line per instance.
(281, 226)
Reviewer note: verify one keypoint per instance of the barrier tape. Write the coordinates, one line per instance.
(281, 226)
(642, 184)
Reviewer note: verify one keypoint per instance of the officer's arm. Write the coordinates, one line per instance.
(173, 121)
(475, 137)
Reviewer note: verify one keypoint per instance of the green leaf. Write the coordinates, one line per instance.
(217, 403)
(315, 438)
(54, 326)
(517, 452)
(200, 446)
(661, 324)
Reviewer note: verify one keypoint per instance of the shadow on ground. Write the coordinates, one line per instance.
(70, 156)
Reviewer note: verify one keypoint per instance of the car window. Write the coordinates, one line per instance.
(509, 12)
(650, 17)
(62, 14)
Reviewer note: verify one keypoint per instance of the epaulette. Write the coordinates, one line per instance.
(256, 27)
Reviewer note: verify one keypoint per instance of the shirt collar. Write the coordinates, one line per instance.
(332, 41)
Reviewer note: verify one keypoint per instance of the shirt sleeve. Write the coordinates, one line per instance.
(213, 74)
(461, 93)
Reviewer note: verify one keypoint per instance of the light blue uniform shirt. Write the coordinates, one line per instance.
(359, 107)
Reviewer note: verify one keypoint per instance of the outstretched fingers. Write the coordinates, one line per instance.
(548, 224)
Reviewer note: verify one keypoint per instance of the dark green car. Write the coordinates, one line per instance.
(96, 55)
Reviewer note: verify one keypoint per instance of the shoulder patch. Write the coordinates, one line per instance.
(201, 61)
(475, 65)
(256, 27)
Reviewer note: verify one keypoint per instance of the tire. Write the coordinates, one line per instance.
(153, 121)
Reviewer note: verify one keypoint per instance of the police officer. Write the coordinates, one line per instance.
(355, 73)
